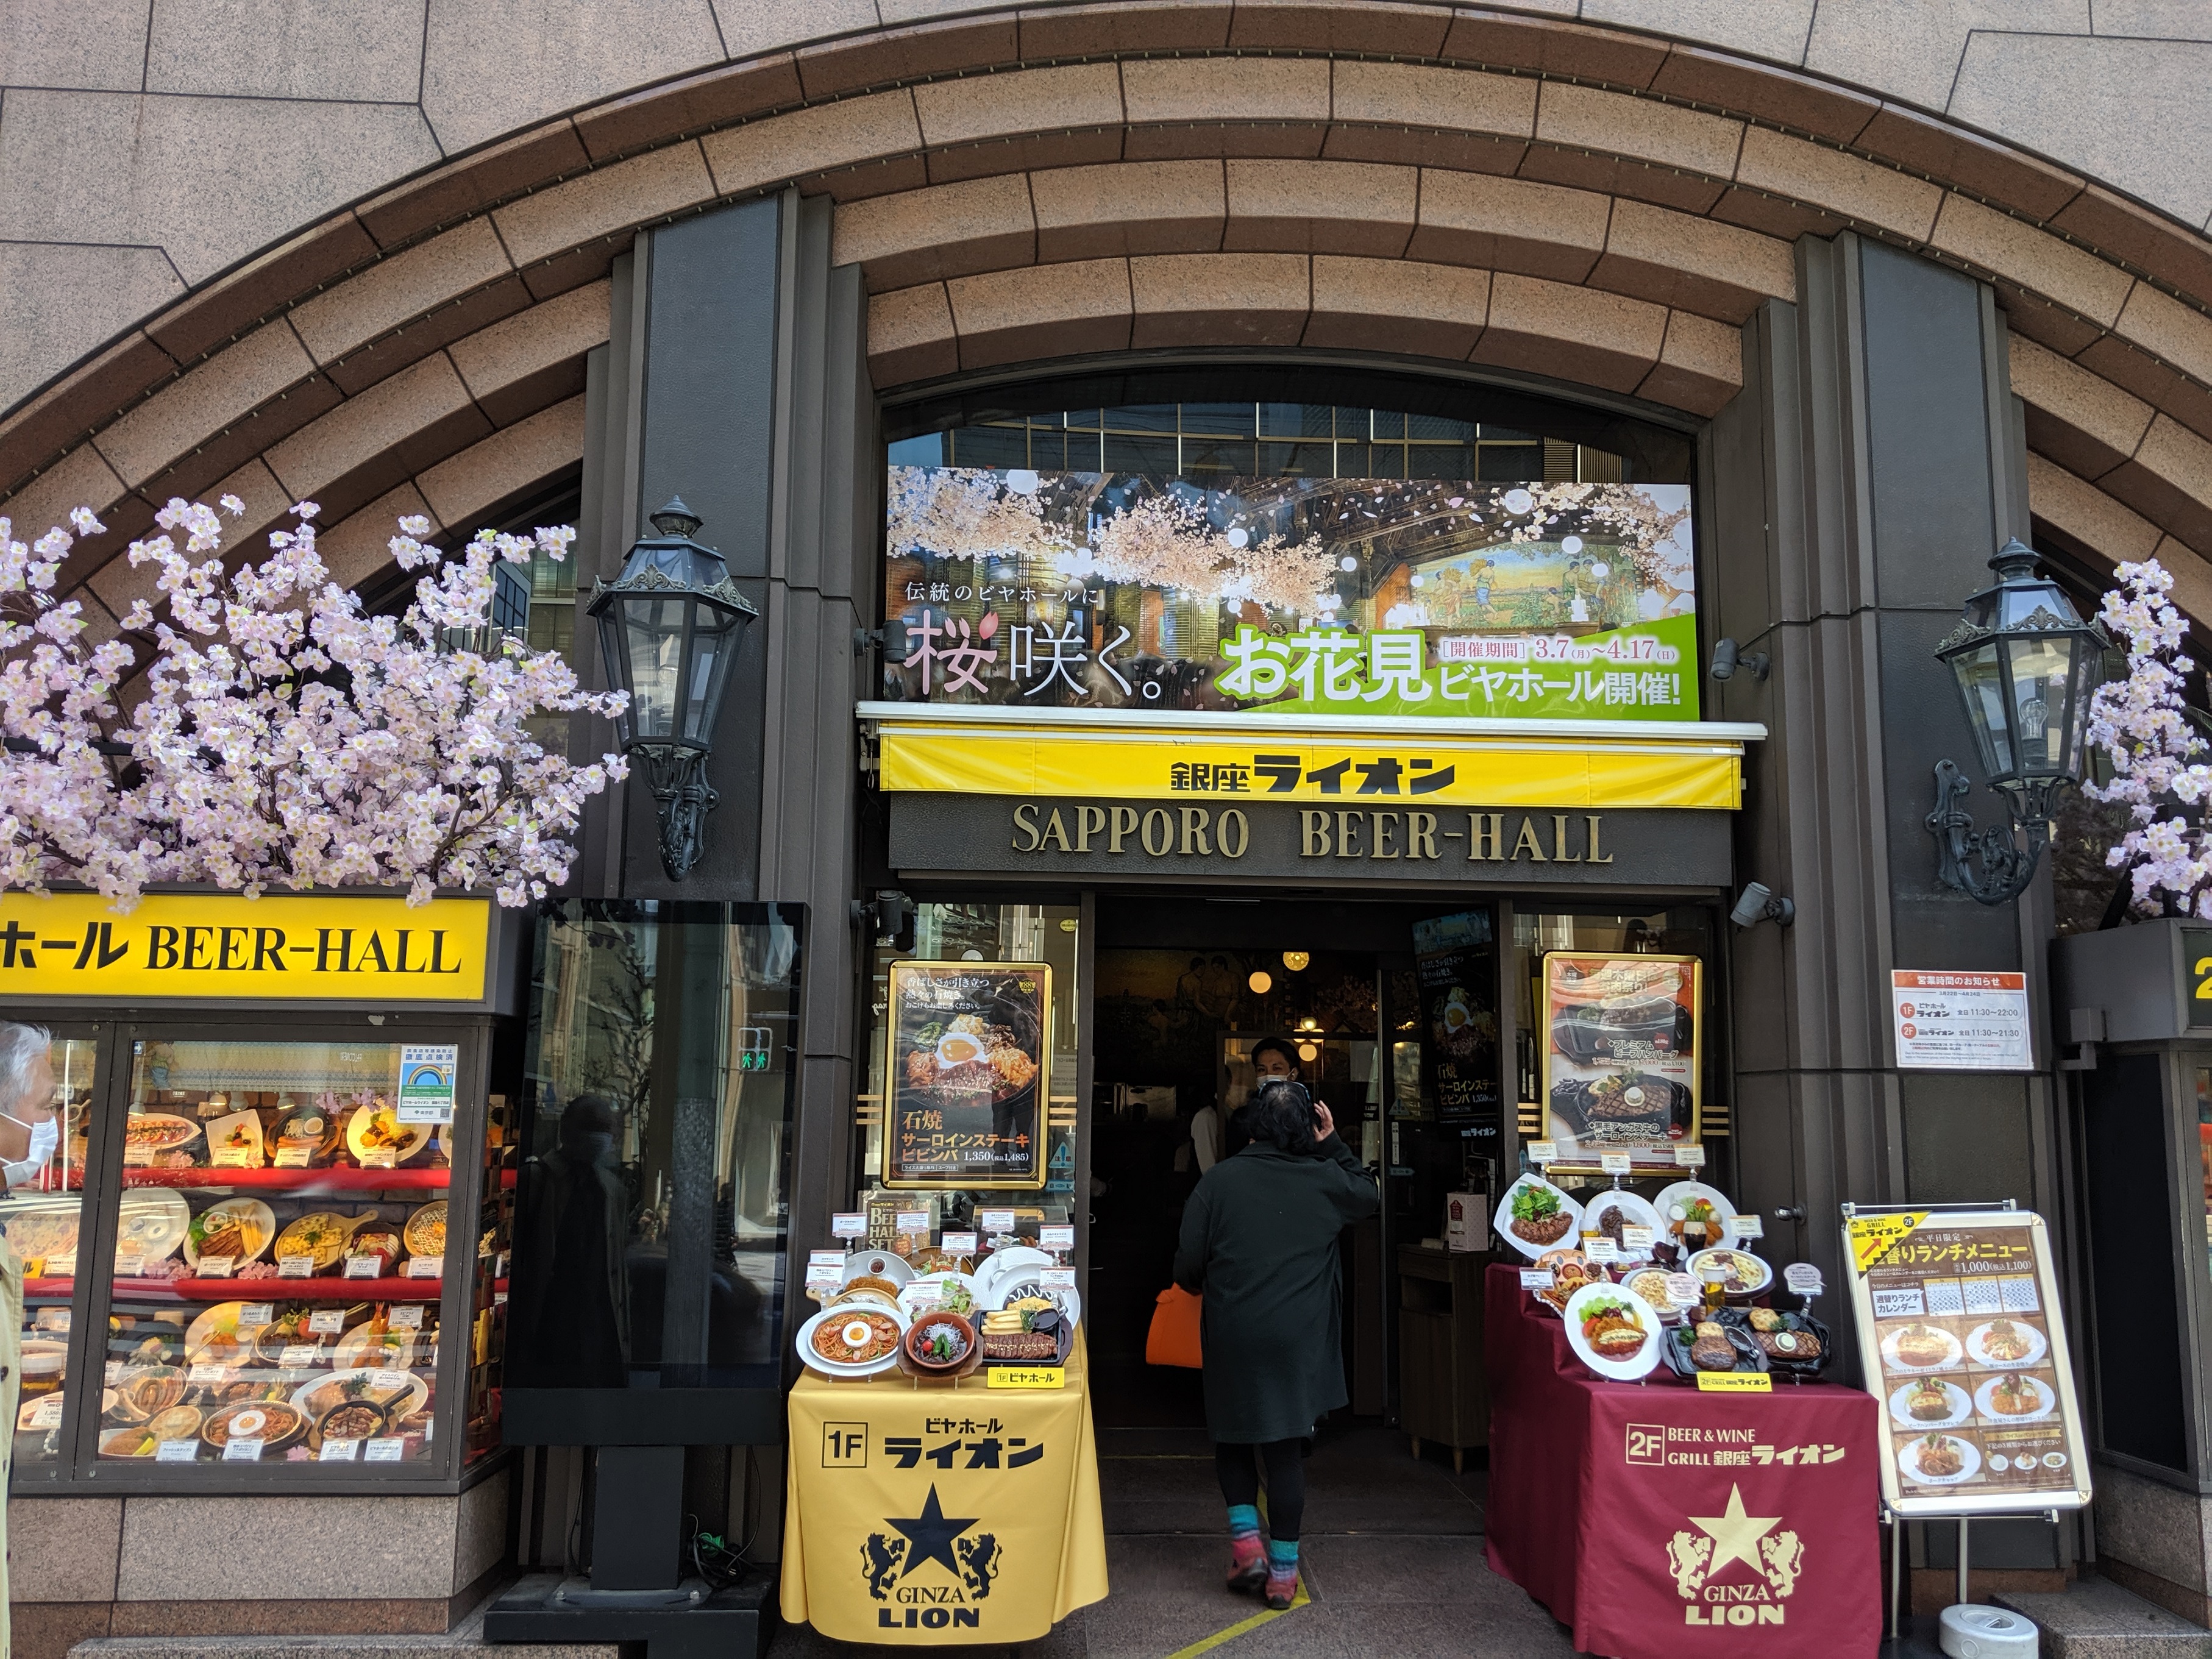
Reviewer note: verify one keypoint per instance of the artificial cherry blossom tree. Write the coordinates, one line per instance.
(2139, 724)
(280, 738)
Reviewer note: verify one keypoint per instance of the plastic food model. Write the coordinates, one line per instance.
(1539, 1217)
(1712, 1351)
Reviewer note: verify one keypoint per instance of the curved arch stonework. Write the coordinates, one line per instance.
(1506, 191)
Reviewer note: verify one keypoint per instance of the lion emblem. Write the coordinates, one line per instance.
(1687, 1557)
(1785, 1556)
(978, 1563)
(880, 1561)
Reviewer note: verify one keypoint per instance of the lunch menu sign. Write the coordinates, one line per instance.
(1963, 1346)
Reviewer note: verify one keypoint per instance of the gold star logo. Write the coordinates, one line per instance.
(1735, 1535)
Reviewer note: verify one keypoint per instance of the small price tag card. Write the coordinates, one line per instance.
(114, 1372)
(129, 1265)
(1535, 1279)
(383, 1159)
(827, 1273)
(407, 1319)
(958, 1244)
(1635, 1238)
(1026, 1377)
(326, 1321)
(242, 1451)
(293, 1158)
(1600, 1249)
(1750, 1226)
(852, 1225)
(911, 1221)
(1615, 1163)
(425, 1267)
(298, 1356)
(62, 1264)
(256, 1313)
(386, 1449)
(1689, 1158)
(363, 1267)
(1062, 1237)
(340, 1451)
(176, 1451)
(1541, 1152)
(235, 1157)
(207, 1374)
(816, 1258)
(138, 1157)
(296, 1266)
(1735, 1382)
(1057, 1279)
(216, 1267)
(998, 1222)
(1681, 1290)
(388, 1382)
(1803, 1278)
(47, 1414)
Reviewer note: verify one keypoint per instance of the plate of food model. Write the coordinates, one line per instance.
(881, 1267)
(1696, 1216)
(1650, 1284)
(1569, 1272)
(1534, 1216)
(349, 1420)
(1921, 1347)
(941, 1344)
(853, 1341)
(425, 1232)
(1612, 1213)
(1747, 1274)
(954, 1292)
(1930, 1402)
(2007, 1345)
(240, 1229)
(402, 1394)
(159, 1132)
(375, 1128)
(1012, 1259)
(310, 1129)
(321, 1236)
(274, 1423)
(151, 1223)
(2013, 1398)
(1025, 1293)
(1794, 1342)
(1717, 1339)
(234, 1141)
(40, 1226)
(1039, 1336)
(1613, 1333)
(1939, 1460)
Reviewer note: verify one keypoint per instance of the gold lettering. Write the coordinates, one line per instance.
(1593, 819)
(1055, 832)
(1125, 823)
(1348, 826)
(1233, 819)
(1525, 840)
(1159, 815)
(1313, 836)
(1088, 821)
(1025, 824)
(1195, 820)
(1486, 837)
(1386, 825)
(1420, 834)
(1559, 852)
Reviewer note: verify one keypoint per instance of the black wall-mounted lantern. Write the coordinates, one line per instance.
(669, 629)
(2026, 665)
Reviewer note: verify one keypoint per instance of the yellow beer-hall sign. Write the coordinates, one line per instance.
(74, 946)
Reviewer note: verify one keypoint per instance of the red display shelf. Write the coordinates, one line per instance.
(275, 1290)
(297, 1181)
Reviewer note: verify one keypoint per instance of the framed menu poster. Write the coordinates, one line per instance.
(1963, 1348)
(970, 1060)
(1621, 1049)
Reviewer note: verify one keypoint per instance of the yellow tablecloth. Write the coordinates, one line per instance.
(941, 1512)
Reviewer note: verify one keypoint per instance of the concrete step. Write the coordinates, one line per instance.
(465, 1639)
(2093, 1618)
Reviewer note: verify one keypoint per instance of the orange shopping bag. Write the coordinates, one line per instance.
(1173, 1339)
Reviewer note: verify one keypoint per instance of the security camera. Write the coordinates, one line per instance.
(1759, 904)
(1726, 659)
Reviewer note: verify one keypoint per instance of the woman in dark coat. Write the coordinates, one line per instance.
(1260, 1244)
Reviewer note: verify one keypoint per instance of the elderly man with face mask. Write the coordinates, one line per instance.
(29, 1131)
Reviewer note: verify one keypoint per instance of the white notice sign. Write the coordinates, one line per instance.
(1961, 1021)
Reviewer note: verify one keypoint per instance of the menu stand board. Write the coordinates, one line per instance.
(969, 1061)
(1622, 1035)
(1453, 961)
(1962, 1344)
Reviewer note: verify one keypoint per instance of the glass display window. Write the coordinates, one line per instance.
(42, 1218)
(286, 1253)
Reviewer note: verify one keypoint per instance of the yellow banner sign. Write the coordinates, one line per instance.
(72, 947)
(1735, 1382)
(1026, 1377)
(1093, 764)
(1874, 1236)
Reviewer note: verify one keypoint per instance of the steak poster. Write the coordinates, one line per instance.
(1960, 1331)
(1621, 1054)
(969, 1061)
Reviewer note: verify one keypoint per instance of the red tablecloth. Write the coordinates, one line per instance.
(1659, 1521)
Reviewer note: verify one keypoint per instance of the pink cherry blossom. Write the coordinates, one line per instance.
(278, 738)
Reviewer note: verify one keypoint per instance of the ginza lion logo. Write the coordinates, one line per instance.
(969, 1564)
(1728, 1538)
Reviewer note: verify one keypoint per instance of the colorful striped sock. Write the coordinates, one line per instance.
(1282, 1586)
(1248, 1562)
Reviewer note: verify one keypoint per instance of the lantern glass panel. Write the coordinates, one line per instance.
(1981, 685)
(614, 664)
(2089, 673)
(654, 628)
(713, 645)
(2042, 673)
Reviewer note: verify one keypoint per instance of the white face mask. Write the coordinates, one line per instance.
(45, 1137)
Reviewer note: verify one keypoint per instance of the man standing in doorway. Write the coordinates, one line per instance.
(1274, 1060)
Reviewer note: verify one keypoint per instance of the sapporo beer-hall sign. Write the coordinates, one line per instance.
(74, 946)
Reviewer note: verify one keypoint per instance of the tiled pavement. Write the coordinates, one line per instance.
(1393, 1556)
